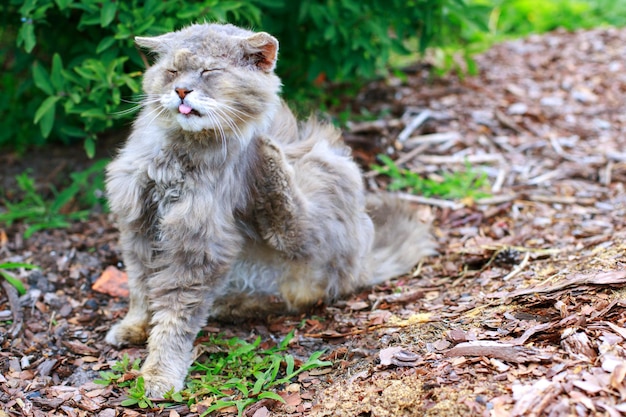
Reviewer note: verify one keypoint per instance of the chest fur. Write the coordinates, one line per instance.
(181, 183)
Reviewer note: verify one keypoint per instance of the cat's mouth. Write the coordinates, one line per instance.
(187, 110)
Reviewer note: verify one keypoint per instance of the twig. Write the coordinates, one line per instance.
(606, 174)
(561, 199)
(519, 268)
(413, 124)
(497, 184)
(613, 278)
(458, 159)
(430, 201)
(507, 122)
(557, 146)
(497, 199)
(529, 332)
(14, 302)
(431, 139)
(491, 349)
(555, 174)
(410, 155)
(373, 126)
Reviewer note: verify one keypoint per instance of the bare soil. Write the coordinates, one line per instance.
(522, 312)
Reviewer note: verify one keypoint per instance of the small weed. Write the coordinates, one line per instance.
(137, 395)
(10, 278)
(124, 374)
(238, 374)
(121, 373)
(464, 184)
(40, 214)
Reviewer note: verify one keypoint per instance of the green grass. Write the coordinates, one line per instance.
(40, 213)
(237, 373)
(522, 17)
(10, 278)
(469, 183)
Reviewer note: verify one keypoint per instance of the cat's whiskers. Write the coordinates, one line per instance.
(160, 110)
(224, 116)
(240, 114)
(144, 100)
(219, 117)
(219, 131)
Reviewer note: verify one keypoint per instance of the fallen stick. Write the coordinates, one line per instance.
(430, 201)
(518, 268)
(413, 124)
(490, 349)
(18, 317)
(460, 159)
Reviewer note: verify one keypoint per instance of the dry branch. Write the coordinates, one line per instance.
(504, 351)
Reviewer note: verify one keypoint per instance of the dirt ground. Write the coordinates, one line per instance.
(522, 312)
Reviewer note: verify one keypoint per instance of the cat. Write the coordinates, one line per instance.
(227, 207)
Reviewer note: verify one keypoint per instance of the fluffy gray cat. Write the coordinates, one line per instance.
(224, 203)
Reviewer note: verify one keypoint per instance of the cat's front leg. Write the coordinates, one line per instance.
(180, 299)
(280, 212)
(196, 251)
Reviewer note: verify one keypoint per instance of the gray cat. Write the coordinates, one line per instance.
(225, 203)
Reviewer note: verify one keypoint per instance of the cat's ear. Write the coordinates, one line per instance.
(156, 44)
(262, 49)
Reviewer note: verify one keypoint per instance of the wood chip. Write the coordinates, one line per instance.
(112, 282)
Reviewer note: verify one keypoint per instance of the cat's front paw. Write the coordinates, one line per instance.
(156, 384)
(125, 333)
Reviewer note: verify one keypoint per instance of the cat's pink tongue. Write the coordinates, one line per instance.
(184, 109)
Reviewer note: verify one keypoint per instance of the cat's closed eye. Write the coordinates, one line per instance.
(207, 71)
(172, 72)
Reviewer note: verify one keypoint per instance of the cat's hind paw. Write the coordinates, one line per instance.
(123, 333)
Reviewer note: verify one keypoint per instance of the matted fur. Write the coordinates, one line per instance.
(227, 207)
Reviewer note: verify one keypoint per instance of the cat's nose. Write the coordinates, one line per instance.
(182, 92)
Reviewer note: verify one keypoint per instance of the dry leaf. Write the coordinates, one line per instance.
(386, 355)
(112, 282)
(617, 376)
(262, 412)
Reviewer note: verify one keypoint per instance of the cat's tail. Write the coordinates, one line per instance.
(400, 239)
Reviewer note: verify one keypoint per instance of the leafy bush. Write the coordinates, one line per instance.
(70, 66)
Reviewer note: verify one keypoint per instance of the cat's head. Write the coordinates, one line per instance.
(212, 77)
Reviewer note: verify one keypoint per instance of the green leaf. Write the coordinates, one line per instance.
(14, 281)
(63, 4)
(73, 131)
(258, 385)
(90, 147)
(271, 395)
(64, 197)
(45, 115)
(57, 78)
(26, 36)
(13, 265)
(128, 402)
(96, 113)
(107, 13)
(290, 365)
(27, 7)
(105, 44)
(42, 79)
(57, 223)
